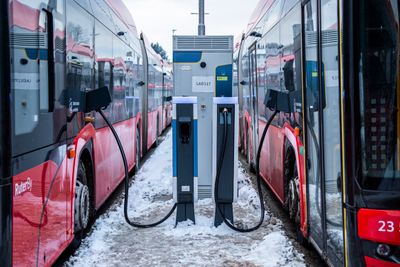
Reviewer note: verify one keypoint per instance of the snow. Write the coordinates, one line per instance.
(112, 242)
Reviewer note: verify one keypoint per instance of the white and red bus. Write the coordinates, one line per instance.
(333, 163)
(168, 91)
(155, 122)
(58, 164)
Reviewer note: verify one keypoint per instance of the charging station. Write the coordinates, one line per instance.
(185, 166)
(203, 68)
(225, 156)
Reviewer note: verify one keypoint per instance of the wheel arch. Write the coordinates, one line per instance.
(86, 156)
(297, 147)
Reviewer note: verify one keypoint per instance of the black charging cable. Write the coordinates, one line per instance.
(134, 224)
(259, 186)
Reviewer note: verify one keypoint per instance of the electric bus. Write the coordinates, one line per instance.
(155, 88)
(334, 160)
(168, 90)
(59, 164)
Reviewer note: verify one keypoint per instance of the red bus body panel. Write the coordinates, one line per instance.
(152, 126)
(271, 164)
(30, 192)
(379, 226)
(371, 262)
(298, 148)
(109, 169)
(167, 115)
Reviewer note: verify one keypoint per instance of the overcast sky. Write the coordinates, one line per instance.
(157, 18)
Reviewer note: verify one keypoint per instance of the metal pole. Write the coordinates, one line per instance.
(202, 26)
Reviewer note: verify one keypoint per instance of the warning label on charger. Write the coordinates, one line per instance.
(203, 84)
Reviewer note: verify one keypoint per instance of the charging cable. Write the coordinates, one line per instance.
(121, 149)
(259, 186)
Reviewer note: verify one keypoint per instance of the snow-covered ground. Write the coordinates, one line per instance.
(113, 242)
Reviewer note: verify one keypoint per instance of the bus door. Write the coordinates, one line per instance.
(322, 127)
(41, 190)
(253, 99)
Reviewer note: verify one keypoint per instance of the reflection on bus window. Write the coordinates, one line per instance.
(379, 95)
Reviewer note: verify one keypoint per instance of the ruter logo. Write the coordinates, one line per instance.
(23, 187)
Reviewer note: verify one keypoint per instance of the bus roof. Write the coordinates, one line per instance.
(122, 11)
(259, 11)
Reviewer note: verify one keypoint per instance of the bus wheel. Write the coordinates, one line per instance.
(157, 142)
(293, 204)
(82, 205)
(137, 164)
(293, 201)
(252, 168)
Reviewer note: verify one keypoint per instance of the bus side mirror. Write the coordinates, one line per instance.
(277, 100)
(97, 99)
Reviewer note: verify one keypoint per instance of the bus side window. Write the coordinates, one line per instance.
(290, 41)
(288, 75)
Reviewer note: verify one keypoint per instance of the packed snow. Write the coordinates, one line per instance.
(112, 242)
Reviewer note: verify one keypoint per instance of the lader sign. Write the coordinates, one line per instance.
(203, 84)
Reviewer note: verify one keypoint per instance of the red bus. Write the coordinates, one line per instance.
(155, 74)
(58, 164)
(168, 91)
(333, 163)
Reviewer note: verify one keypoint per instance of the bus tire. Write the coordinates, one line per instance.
(82, 206)
(157, 142)
(287, 172)
(292, 197)
(137, 163)
(252, 167)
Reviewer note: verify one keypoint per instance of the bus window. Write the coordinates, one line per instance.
(272, 71)
(331, 117)
(120, 51)
(289, 4)
(290, 41)
(38, 107)
(245, 80)
(379, 95)
(312, 122)
(79, 61)
(104, 65)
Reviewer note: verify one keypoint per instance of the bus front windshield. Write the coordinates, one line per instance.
(379, 94)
